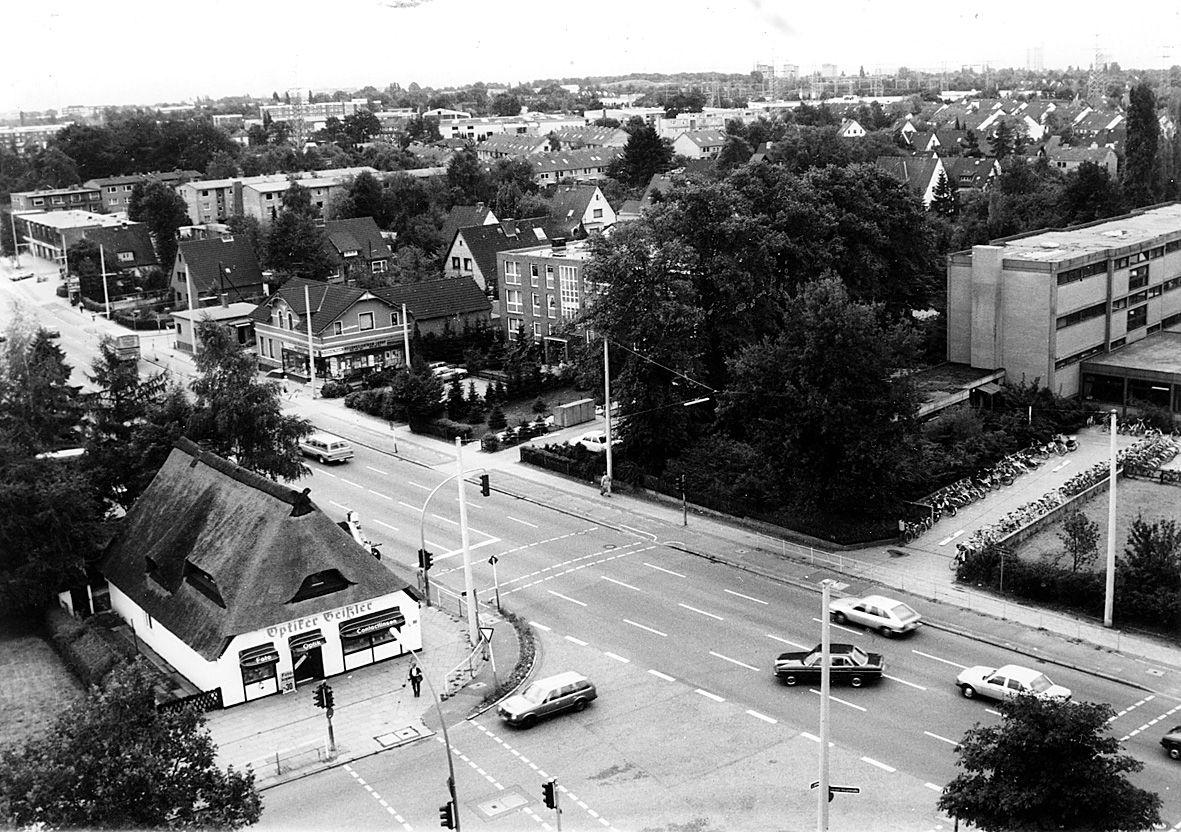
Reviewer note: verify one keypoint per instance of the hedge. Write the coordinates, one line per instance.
(334, 389)
(88, 649)
(443, 428)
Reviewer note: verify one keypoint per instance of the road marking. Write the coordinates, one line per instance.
(842, 701)
(663, 676)
(566, 598)
(387, 525)
(642, 627)
(407, 505)
(471, 547)
(1060, 466)
(377, 796)
(936, 658)
(621, 583)
(445, 519)
(539, 626)
(763, 717)
(904, 682)
(839, 627)
(522, 522)
(815, 738)
(788, 642)
(577, 641)
(1151, 722)
(338, 505)
(1131, 707)
(747, 597)
(637, 531)
(950, 538)
(662, 569)
(378, 470)
(379, 494)
(617, 658)
(709, 695)
(418, 485)
(991, 711)
(350, 482)
(733, 661)
(934, 788)
(941, 739)
(326, 474)
(882, 766)
(702, 612)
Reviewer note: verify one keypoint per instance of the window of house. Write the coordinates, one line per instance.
(455, 262)
(1096, 311)
(365, 320)
(1154, 253)
(377, 266)
(126, 256)
(514, 325)
(537, 328)
(57, 200)
(290, 321)
(1137, 317)
(1117, 305)
(512, 300)
(1170, 285)
(39, 201)
(1155, 291)
(512, 272)
(1138, 277)
(338, 327)
(394, 319)
(597, 213)
(1172, 245)
(1139, 297)
(536, 304)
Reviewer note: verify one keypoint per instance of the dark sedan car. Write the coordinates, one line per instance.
(1172, 743)
(849, 663)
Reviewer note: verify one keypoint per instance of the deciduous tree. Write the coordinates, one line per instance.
(1080, 540)
(163, 211)
(1141, 183)
(296, 244)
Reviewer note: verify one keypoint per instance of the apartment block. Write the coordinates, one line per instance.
(543, 289)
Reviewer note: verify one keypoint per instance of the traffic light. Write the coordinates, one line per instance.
(320, 698)
(425, 559)
(447, 815)
(485, 487)
(549, 793)
(327, 688)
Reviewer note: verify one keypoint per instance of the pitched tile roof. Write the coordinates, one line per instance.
(706, 138)
(484, 241)
(463, 216)
(328, 301)
(355, 234)
(256, 539)
(573, 160)
(915, 171)
(432, 299)
(590, 136)
(569, 204)
(240, 277)
(171, 177)
(513, 144)
(968, 172)
(132, 237)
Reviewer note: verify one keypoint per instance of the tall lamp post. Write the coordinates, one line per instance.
(1109, 588)
(463, 519)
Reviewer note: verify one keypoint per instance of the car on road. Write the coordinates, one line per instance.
(877, 612)
(1006, 682)
(326, 448)
(848, 664)
(15, 276)
(445, 372)
(546, 697)
(1172, 743)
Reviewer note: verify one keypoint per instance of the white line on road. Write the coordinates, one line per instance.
(904, 682)
(702, 612)
(350, 482)
(489, 542)
(326, 474)
(950, 537)
(733, 661)
(1060, 466)
(522, 522)
(763, 717)
(621, 583)
(566, 598)
(662, 569)
(540, 626)
(407, 505)
(933, 787)
(941, 739)
(642, 627)
(387, 525)
(787, 642)
(378, 470)
(936, 658)
(842, 701)
(874, 762)
(379, 494)
(709, 695)
(419, 485)
(617, 657)
(445, 519)
(747, 597)
(991, 711)
(637, 531)
(577, 641)
(839, 627)
(814, 738)
(663, 676)
(338, 505)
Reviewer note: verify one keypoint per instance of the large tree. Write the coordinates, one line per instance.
(1089, 194)
(1141, 183)
(163, 211)
(296, 244)
(116, 761)
(239, 417)
(1048, 764)
(39, 409)
(644, 154)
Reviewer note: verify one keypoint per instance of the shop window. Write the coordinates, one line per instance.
(320, 583)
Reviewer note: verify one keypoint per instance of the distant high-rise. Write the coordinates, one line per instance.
(1034, 59)
(829, 70)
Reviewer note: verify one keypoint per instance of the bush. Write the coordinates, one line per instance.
(490, 443)
(373, 402)
(334, 389)
(540, 405)
(89, 650)
(496, 419)
(443, 428)
(524, 662)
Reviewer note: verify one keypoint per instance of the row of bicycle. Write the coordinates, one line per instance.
(1129, 426)
(1149, 453)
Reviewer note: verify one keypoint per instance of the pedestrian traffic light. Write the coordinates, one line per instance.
(549, 793)
(327, 690)
(425, 559)
(447, 815)
(320, 698)
(485, 487)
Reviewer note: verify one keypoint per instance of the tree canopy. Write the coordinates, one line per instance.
(163, 211)
(644, 154)
(1141, 183)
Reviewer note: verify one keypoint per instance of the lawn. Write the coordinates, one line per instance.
(35, 685)
(1155, 501)
(519, 409)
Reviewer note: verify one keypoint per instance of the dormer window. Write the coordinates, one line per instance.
(203, 582)
(320, 583)
(152, 570)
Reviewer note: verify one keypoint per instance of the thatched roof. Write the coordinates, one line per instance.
(211, 551)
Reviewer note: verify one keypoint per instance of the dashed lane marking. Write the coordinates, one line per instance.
(882, 766)
(539, 626)
(353, 484)
(642, 627)
(941, 739)
(842, 701)
(937, 659)
(733, 661)
(380, 800)
(1150, 723)
(379, 494)
(709, 695)
(499, 786)
(522, 522)
(839, 627)
(617, 658)
(577, 641)
(772, 720)
(419, 485)
(566, 598)
(407, 505)
(617, 555)
(662, 569)
(445, 519)
(933, 787)
(747, 597)
(326, 474)
(904, 682)
(387, 525)
(378, 470)
(1130, 708)
(620, 583)
(701, 612)
(788, 642)
(339, 505)
(660, 675)
(991, 711)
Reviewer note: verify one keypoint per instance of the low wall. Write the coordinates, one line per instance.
(1030, 529)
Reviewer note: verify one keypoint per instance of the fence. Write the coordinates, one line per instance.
(287, 760)
(209, 700)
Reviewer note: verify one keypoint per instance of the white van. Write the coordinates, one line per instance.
(326, 448)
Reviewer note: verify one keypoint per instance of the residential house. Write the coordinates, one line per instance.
(512, 145)
(576, 210)
(670, 128)
(761, 152)
(472, 252)
(441, 307)
(971, 173)
(126, 246)
(216, 200)
(357, 247)
(700, 144)
(544, 291)
(919, 173)
(922, 141)
(48, 234)
(116, 190)
(215, 267)
(1066, 158)
(246, 587)
(950, 142)
(575, 138)
(588, 164)
(27, 138)
(629, 211)
(850, 129)
(465, 216)
(238, 317)
(58, 199)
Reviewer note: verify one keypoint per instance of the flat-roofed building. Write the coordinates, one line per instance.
(78, 198)
(542, 289)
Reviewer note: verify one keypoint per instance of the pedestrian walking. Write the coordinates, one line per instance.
(416, 680)
(901, 531)
(605, 486)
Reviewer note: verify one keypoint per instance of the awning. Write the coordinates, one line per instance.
(372, 623)
(255, 656)
(306, 641)
(989, 388)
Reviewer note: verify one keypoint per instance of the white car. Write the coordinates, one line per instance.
(877, 612)
(595, 441)
(1006, 682)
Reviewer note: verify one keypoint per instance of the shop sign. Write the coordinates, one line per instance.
(394, 619)
(313, 621)
(260, 659)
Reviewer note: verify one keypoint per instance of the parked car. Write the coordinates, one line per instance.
(596, 441)
(445, 373)
(326, 448)
(1006, 682)
(1172, 743)
(15, 276)
(848, 663)
(546, 697)
(51, 333)
(877, 612)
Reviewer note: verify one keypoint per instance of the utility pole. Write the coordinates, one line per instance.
(473, 625)
(405, 339)
(307, 304)
(1109, 589)
(607, 411)
(822, 795)
(684, 504)
(102, 264)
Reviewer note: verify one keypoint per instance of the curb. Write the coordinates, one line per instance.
(481, 710)
(337, 763)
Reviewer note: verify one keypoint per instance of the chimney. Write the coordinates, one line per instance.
(558, 247)
(225, 304)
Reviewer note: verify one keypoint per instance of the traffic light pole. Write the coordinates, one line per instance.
(426, 581)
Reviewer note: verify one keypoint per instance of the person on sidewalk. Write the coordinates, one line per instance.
(605, 486)
(416, 680)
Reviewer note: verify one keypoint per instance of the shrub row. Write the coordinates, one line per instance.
(524, 660)
(373, 402)
(444, 429)
(333, 389)
(87, 648)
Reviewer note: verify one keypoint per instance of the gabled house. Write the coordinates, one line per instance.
(215, 267)
(1066, 158)
(246, 587)
(580, 208)
(585, 164)
(441, 307)
(850, 128)
(465, 216)
(923, 141)
(472, 252)
(500, 145)
(967, 173)
(919, 173)
(700, 144)
(357, 247)
(127, 246)
(950, 142)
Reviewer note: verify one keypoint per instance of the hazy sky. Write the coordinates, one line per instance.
(59, 52)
